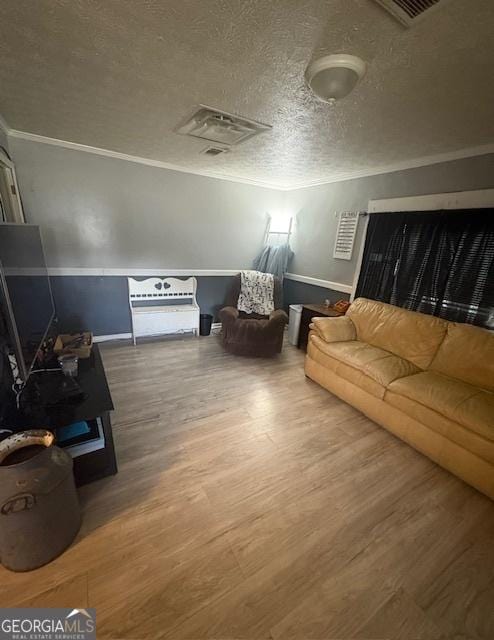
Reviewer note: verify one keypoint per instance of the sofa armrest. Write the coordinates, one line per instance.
(228, 315)
(278, 316)
(334, 329)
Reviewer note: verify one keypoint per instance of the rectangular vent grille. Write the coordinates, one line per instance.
(213, 151)
(220, 127)
(408, 12)
(345, 235)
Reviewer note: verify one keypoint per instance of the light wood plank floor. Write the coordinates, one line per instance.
(251, 503)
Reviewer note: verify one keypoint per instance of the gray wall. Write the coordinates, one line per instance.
(315, 208)
(299, 292)
(99, 212)
(103, 212)
(101, 303)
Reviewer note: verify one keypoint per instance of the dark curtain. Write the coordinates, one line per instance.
(441, 263)
(381, 253)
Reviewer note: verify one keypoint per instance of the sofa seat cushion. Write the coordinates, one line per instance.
(457, 433)
(469, 406)
(343, 370)
(378, 365)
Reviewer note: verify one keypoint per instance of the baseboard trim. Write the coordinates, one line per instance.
(317, 282)
(112, 336)
(216, 326)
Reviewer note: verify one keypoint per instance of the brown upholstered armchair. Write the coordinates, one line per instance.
(252, 334)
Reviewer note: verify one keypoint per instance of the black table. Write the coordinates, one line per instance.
(96, 405)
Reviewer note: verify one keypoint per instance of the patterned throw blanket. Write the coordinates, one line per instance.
(256, 293)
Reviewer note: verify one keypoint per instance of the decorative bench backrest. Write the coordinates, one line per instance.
(161, 289)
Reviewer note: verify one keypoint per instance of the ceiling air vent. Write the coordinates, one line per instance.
(221, 127)
(214, 151)
(409, 12)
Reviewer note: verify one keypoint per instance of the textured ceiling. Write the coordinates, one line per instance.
(121, 74)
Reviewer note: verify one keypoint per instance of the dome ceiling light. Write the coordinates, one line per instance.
(333, 77)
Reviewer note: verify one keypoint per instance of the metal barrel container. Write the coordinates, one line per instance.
(39, 508)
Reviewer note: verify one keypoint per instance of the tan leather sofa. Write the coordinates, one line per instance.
(428, 381)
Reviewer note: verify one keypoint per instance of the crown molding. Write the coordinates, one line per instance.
(425, 161)
(108, 153)
(416, 163)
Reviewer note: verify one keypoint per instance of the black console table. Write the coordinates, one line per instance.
(94, 409)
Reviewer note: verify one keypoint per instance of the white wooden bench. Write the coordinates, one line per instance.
(152, 319)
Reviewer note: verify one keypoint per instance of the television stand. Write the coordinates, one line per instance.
(43, 406)
(52, 389)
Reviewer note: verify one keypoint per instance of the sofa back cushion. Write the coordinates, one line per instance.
(408, 334)
(467, 353)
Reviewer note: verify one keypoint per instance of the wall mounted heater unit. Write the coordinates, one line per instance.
(220, 127)
(409, 12)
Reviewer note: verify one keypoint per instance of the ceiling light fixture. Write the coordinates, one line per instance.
(333, 77)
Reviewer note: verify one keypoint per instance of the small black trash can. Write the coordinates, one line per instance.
(205, 322)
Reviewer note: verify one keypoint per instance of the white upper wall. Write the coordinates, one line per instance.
(314, 209)
(99, 212)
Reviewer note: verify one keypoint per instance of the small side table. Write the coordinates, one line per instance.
(310, 311)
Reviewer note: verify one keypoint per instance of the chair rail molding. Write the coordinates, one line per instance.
(164, 273)
(159, 272)
(317, 282)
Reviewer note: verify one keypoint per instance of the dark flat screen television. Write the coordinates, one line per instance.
(25, 292)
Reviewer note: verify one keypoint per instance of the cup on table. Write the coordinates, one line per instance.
(69, 364)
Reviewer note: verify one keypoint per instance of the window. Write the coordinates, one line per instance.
(441, 263)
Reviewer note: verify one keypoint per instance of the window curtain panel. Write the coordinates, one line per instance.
(441, 263)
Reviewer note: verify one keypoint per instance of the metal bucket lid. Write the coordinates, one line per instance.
(31, 438)
(30, 461)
